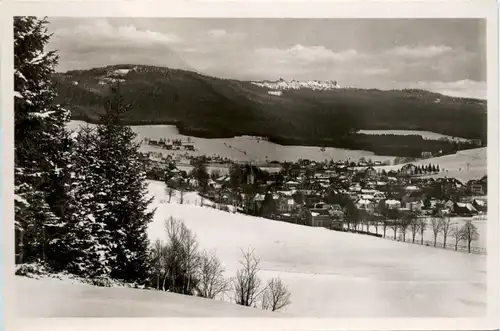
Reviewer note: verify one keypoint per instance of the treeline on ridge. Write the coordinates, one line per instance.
(209, 107)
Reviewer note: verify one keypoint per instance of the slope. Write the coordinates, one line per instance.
(210, 107)
(55, 298)
(463, 165)
(335, 274)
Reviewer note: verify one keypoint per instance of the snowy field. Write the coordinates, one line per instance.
(336, 274)
(234, 148)
(55, 298)
(455, 165)
(425, 134)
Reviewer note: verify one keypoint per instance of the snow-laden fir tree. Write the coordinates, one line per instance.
(121, 194)
(87, 239)
(42, 147)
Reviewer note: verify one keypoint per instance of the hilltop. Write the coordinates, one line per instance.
(210, 107)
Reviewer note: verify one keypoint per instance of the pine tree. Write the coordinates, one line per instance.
(122, 193)
(87, 238)
(42, 147)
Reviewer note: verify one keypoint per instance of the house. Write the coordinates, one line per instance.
(475, 187)
(311, 199)
(250, 179)
(426, 155)
(392, 174)
(449, 205)
(392, 204)
(370, 172)
(377, 196)
(291, 185)
(324, 217)
(408, 170)
(189, 146)
(465, 209)
(412, 188)
(365, 204)
(480, 205)
(412, 197)
(286, 205)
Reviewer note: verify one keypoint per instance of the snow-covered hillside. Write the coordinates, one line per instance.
(335, 274)
(243, 148)
(464, 165)
(282, 84)
(55, 298)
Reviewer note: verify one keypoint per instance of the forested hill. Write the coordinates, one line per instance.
(211, 107)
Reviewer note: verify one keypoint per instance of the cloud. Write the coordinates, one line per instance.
(419, 52)
(101, 31)
(223, 34)
(464, 88)
(306, 54)
(97, 42)
(376, 71)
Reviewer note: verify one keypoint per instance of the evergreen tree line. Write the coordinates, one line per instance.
(80, 197)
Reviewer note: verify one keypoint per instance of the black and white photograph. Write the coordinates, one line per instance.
(228, 167)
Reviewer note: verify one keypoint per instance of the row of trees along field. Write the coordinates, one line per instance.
(80, 197)
(411, 223)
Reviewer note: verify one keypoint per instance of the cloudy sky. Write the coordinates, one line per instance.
(443, 55)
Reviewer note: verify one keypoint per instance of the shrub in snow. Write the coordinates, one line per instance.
(102, 281)
(247, 284)
(276, 295)
(210, 274)
(33, 270)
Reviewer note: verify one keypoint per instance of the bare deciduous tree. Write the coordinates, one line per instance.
(170, 192)
(394, 225)
(247, 283)
(404, 224)
(470, 233)
(457, 234)
(276, 295)
(422, 226)
(445, 228)
(211, 280)
(180, 258)
(414, 228)
(436, 228)
(181, 195)
(157, 260)
(385, 224)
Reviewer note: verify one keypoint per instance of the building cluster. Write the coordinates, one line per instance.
(317, 193)
(171, 144)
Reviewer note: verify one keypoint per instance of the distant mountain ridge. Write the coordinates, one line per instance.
(211, 107)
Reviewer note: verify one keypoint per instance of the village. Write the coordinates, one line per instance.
(342, 196)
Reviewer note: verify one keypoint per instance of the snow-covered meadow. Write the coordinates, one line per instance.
(336, 274)
(245, 148)
(50, 297)
(464, 165)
